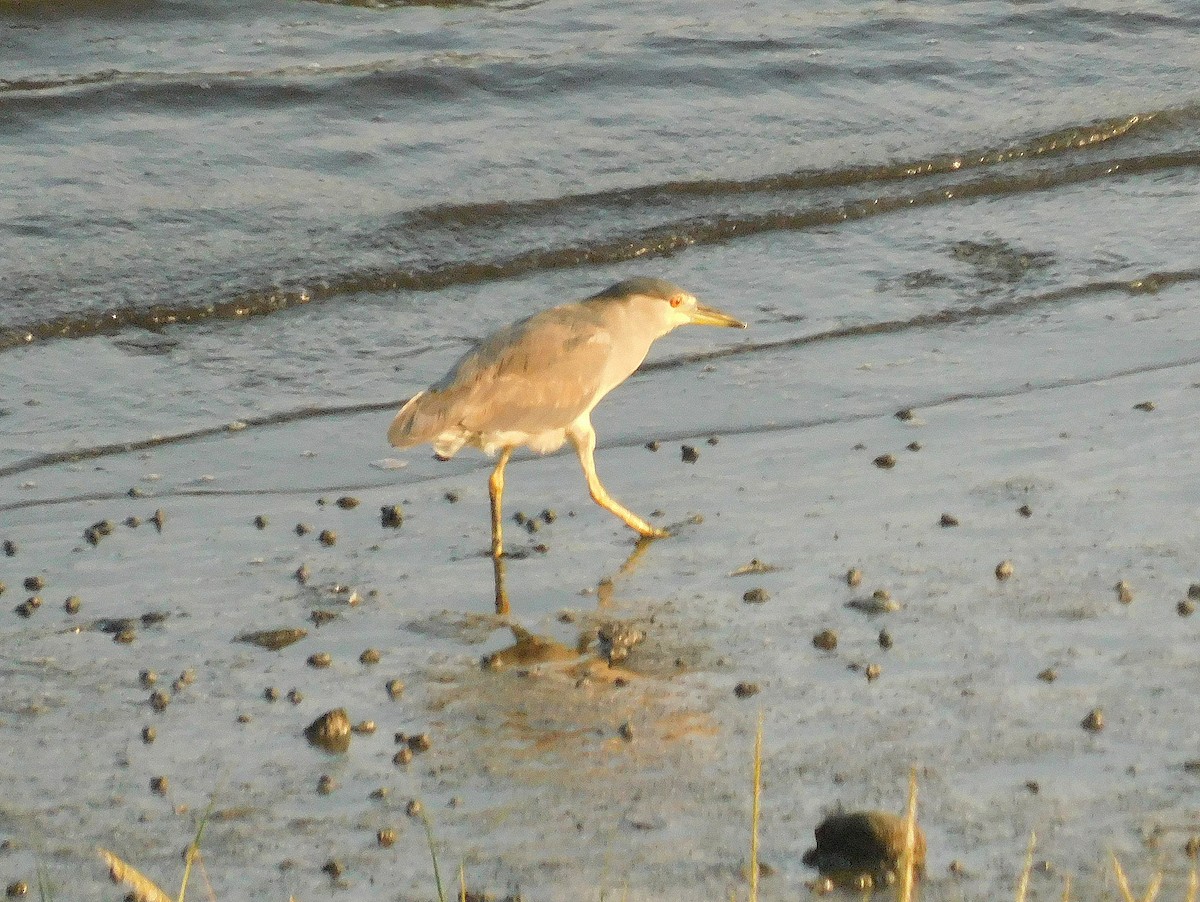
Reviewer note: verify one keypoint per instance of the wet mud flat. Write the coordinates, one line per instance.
(552, 767)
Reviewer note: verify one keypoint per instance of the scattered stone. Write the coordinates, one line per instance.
(34, 584)
(755, 596)
(549, 516)
(2, 588)
(159, 785)
(347, 502)
(402, 757)
(853, 577)
(452, 497)
(147, 678)
(1186, 608)
(369, 656)
(1049, 675)
(532, 526)
(391, 516)
(863, 844)
(1004, 570)
(948, 520)
(395, 688)
(905, 415)
(914, 446)
(885, 461)
(302, 574)
(873, 672)
(159, 699)
(714, 439)
(1124, 592)
(1191, 848)
(244, 718)
(381, 793)
(320, 659)
(880, 602)
(159, 519)
(133, 522)
(325, 785)
(149, 734)
(1094, 721)
(616, 640)
(125, 636)
(420, 743)
(1144, 405)
(1194, 591)
(271, 694)
(755, 566)
(885, 639)
(16, 889)
(295, 696)
(414, 808)
(28, 606)
(652, 446)
(333, 868)
(1025, 511)
(386, 838)
(625, 731)
(688, 454)
(72, 604)
(273, 640)
(303, 529)
(364, 727)
(92, 536)
(261, 522)
(320, 617)
(746, 690)
(10, 548)
(330, 731)
(328, 538)
(826, 640)
(957, 868)
(1033, 786)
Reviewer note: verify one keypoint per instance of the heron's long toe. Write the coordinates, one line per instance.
(653, 532)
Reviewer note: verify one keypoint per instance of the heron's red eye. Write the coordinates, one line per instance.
(676, 301)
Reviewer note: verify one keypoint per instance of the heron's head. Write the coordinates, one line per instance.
(667, 306)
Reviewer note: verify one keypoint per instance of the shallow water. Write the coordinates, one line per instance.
(294, 216)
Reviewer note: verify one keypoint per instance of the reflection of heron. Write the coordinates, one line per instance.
(536, 381)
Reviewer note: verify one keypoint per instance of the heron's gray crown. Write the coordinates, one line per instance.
(643, 285)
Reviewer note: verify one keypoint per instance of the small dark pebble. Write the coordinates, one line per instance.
(1094, 721)
(133, 522)
(271, 694)
(452, 497)
(386, 838)
(320, 617)
(302, 574)
(755, 596)
(347, 502)
(158, 519)
(28, 606)
(885, 639)
(135, 492)
(1194, 591)
(295, 696)
(369, 656)
(159, 699)
(1191, 848)
(104, 527)
(149, 734)
(330, 731)
(381, 793)
(402, 757)
(244, 718)
(420, 743)
(745, 689)
(1004, 570)
(873, 672)
(1033, 786)
(541, 548)
(10, 548)
(1025, 510)
(72, 604)
(1186, 608)
(273, 640)
(414, 808)
(159, 785)
(93, 537)
(1049, 675)
(320, 659)
(885, 461)
(713, 439)
(855, 845)
(261, 522)
(948, 520)
(519, 518)
(125, 636)
(914, 446)
(826, 640)
(391, 516)
(905, 414)
(532, 526)
(187, 677)
(395, 688)
(333, 868)
(625, 731)
(549, 516)
(147, 678)
(1144, 405)
(688, 454)
(652, 446)
(303, 529)
(34, 584)
(853, 576)
(327, 538)
(325, 785)
(322, 502)
(16, 889)
(957, 868)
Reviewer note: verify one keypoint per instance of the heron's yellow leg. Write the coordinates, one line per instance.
(584, 441)
(496, 490)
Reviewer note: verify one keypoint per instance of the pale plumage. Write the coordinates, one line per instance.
(535, 382)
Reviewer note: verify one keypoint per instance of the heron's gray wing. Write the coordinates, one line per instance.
(535, 375)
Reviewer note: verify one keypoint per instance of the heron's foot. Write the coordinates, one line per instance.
(653, 532)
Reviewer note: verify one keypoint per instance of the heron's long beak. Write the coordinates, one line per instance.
(704, 315)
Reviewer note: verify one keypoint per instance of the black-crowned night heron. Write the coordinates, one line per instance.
(534, 383)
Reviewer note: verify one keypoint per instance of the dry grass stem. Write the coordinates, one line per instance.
(908, 863)
(143, 889)
(1123, 883)
(757, 796)
(1193, 886)
(462, 882)
(1066, 896)
(1023, 883)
